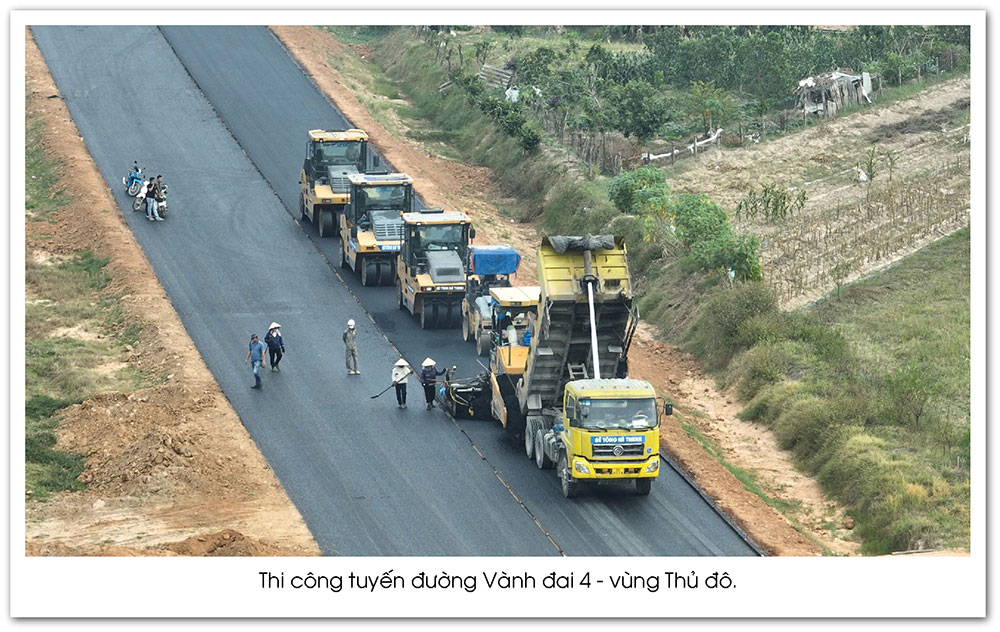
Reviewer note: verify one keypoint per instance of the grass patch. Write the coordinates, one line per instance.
(879, 408)
(73, 327)
(41, 195)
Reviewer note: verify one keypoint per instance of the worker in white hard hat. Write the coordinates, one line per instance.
(428, 378)
(351, 348)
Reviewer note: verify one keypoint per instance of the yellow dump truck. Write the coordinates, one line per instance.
(371, 226)
(331, 156)
(561, 392)
(431, 268)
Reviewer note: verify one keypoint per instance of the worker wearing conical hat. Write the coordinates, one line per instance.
(275, 345)
(428, 378)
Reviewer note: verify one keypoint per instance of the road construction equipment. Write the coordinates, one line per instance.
(431, 268)
(487, 289)
(593, 429)
(331, 156)
(371, 229)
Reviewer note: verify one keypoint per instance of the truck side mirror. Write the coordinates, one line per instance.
(472, 233)
(668, 408)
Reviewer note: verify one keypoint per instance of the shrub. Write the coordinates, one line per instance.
(716, 334)
(760, 366)
(770, 401)
(624, 186)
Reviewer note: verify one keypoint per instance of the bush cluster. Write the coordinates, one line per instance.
(509, 116)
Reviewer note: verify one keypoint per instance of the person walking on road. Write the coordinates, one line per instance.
(351, 348)
(275, 345)
(256, 358)
(428, 377)
(400, 374)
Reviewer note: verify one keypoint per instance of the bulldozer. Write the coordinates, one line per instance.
(371, 226)
(331, 156)
(431, 268)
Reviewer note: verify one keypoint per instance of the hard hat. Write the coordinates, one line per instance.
(274, 326)
(350, 324)
(428, 362)
(401, 362)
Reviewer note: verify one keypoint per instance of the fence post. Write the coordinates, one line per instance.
(694, 145)
(673, 150)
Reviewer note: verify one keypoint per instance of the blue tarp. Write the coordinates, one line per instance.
(498, 259)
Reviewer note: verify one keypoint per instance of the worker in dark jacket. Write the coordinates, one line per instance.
(428, 378)
(275, 345)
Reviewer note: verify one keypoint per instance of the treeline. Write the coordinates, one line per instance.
(691, 79)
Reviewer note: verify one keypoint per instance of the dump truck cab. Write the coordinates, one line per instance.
(609, 433)
(490, 267)
(431, 269)
(331, 156)
(371, 225)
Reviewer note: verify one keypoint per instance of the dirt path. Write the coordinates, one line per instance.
(170, 469)
(472, 189)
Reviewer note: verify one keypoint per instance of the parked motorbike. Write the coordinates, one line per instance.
(139, 202)
(133, 181)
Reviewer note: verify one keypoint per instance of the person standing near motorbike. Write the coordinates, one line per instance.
(151, 213)
(161, 191)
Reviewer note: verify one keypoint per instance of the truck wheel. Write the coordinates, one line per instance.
(384, 276)
(343, 256)
(570, 488)
(321, 222)
(643, 485)
(368, 273)
(466, 335)
(425, 319)
(483, 344)
(302, 208)
(529, 439)
(399, 295)
(542, 460)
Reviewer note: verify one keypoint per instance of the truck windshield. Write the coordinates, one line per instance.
(387, 198)
(611, 414)
(442, 237)
(333, 153)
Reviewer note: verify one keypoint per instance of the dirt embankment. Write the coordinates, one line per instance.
(455, 185)
(170, 469)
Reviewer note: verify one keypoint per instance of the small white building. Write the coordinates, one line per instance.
(826, 93)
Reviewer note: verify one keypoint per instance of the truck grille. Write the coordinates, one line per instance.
(618, 451)
(388, 231)
(339, 184)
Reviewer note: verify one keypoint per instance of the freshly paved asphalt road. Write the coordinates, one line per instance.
(369, 480)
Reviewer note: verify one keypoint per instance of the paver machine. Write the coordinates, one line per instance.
(560, 391)
(431, 268)
(488, 289)
(331, 156)
(371, 226)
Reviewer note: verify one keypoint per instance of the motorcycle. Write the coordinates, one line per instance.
(139, 202)
(133, 181)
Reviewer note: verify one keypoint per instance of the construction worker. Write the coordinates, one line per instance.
(428, 378)
(351, 348)
(275, 345)
(400, 373)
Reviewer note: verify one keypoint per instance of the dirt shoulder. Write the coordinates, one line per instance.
(454, 185)
(170, 469)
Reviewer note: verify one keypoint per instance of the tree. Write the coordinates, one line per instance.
(626, 185)
(639, 111)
